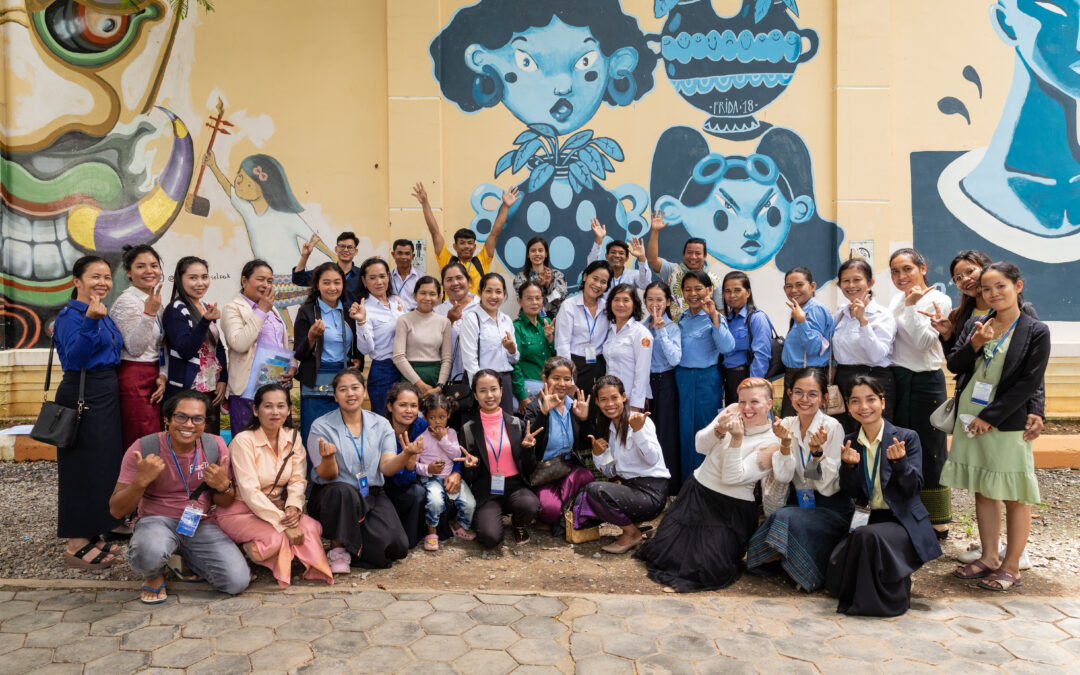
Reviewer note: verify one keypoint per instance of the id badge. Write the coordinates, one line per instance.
(590, 353)
(806, 498)
(859, 518)
(189, 520)
(980, 394)
(498, 485)
(362, 480)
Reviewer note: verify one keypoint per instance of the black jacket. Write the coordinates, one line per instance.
(900, 484)
(1021, 386)
(310, 355)
(540, 420)
(472, 437)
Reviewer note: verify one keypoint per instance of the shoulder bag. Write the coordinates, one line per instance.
(459, 388)
(56, 424)
(834, 400)
(776, 367)
(944, 416)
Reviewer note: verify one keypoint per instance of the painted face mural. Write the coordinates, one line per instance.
(86, 164)
(551, 64)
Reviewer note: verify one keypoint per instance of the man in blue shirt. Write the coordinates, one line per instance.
(345, 251)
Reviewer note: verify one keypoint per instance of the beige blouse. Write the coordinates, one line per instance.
(422, 337)
(255, 464)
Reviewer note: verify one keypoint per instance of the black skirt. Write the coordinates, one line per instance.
(870, 570)
(368, 527)
(664, 410)
(87, 471)
(701, 541)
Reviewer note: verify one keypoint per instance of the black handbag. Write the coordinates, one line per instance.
(459, 388)
(549, 471)
(776, 362)
(56, 424)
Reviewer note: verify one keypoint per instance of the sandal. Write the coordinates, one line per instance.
(104, 545)
(461, 533)
(431, 542)
(1003, 579)
(76, 561)
(974, 570)
(159, 592)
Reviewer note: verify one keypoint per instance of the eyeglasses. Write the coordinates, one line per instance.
(345, 247)
(808, 395)
(972, 273)
(181, 418)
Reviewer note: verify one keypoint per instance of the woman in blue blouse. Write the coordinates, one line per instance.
(402, 486)
(705, 336)
(752, 331)
(663, 392)
(808, 339)
(86, 338)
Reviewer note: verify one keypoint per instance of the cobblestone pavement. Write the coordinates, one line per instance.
(90, 630)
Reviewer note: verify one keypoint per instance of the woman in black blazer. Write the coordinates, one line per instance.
(506, 449)
(324, 338)
(881, 469)
(1000, 362)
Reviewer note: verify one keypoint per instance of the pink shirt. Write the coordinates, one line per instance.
(166, 495)
(446, 450)
(494, 429)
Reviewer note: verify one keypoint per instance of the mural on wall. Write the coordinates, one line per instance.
(88, 163)
(1018, 198)
(553, 64)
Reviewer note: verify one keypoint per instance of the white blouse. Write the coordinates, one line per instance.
(376, 337)
(572, 327)
(856, 345)
(639, 457)
(800, 467)
(481, 342)
(141, 331)
(917, 346)
(628, 354)
(455, 367)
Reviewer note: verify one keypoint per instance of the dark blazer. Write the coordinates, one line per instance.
(310, 355)
(1021, 377)
(900, 484)
(472, 437)
(540, 420)
(183, 339)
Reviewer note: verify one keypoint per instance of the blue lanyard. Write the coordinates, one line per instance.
(998, 345)
(564, 423)
(498, 454)
(359, 451)
(866, 473)
(397, 289)
(194, 463)
(595, 319)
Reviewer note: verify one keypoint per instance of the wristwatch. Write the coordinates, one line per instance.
(228, 489)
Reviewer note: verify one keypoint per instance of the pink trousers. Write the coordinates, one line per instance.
(555, 496)
(272, 548)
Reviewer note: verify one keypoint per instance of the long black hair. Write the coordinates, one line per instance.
(744, 281)
(967, 303)
(260, 394)
(623, 423)
(668, 297)
(317, 274)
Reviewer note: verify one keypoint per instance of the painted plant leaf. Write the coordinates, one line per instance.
(593, 159)
(608, 166)
(761, 8)
(579, 170)
(578, 140)
(504, 162)
(525, 137)
(610, 147)
(792, 6)
(525, 153)
(575, 183)
(544, 130)
(540, 176)
(662, 7)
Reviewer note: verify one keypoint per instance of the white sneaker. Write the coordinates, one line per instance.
(974, 552)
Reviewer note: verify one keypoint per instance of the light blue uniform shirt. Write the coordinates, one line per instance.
(337, 333)
(702, 342)
(378, 440)
(761, 327)
(809, 339)
(560, 439)
(667, 347)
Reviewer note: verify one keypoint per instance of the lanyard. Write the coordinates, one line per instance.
(595, 319)
(359, 451)
(866, 473)
(194, 463)
(564, 423)
(998, 345)
(397, 289)
(498, 454)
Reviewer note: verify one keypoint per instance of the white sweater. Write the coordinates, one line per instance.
(735, 471)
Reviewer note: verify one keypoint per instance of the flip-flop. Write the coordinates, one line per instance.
(1003, 579)
(75, 560)
(973, 570)
(155, 591)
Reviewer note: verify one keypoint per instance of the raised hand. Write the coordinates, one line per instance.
(509, 197)
(599, 445)
(797, 312)
(358, 312)
(915, 294)
(637, 248)
(414, 448)
(549, 331)
(857, 309)
(459, 306)
(266, 302)
(209, 159)
(216, 477)
(782, 432)
(326, 448)
(309, 246)
(723, 423)
(849, 455)
(984, 332)
(710, 308)
(316, 331)
(529, 440)
(896, 451)
(658, 223)
(212, 313)
(147, 468)
(637, 421)
(658, 321)
(153, 301)
(543, 277)
(818, 439)
(581, 405)
(468, 460)
(509, 344)
(438, 433)
(420, 194)
(939, 321)
(737, 428)
(96, 309)
(548, 399)
(599, 230)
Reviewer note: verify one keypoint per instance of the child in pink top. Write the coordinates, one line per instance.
(435, 465)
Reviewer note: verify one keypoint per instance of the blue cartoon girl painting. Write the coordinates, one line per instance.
(552, 64)
(747, 209)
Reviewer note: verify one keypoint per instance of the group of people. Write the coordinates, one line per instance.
(589, 408)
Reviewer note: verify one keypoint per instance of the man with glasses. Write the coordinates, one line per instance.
(345, 251)
(173, 478)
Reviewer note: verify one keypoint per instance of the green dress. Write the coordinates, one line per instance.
(997, 464)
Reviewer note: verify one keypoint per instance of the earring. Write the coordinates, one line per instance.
(487, 87)
(623, 89)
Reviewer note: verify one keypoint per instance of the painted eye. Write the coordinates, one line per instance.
(524, 61)
(1051, 7)
(587, 61)
(88, 37)
(720, 221)
(773, 216)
